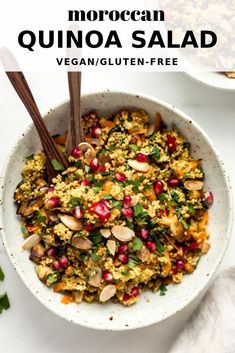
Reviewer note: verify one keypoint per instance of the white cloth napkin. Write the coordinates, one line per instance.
(211, 328)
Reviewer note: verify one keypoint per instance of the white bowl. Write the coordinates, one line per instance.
(151, 308)
(213, 79)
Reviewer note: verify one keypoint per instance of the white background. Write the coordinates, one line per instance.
(28, 327)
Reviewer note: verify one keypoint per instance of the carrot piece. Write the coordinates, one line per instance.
(58, 287)
(66, 299)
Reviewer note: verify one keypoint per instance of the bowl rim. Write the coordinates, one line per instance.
(217, 262)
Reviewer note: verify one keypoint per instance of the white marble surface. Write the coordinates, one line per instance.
(28, 326)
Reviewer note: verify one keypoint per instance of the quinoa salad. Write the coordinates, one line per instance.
(128, 215)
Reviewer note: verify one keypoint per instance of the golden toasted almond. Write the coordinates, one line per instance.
(134, 200)
(71, 222)
(177, 231)
(107, 292)
(78, 295)
(230, 74)
(81, 243)
(151, 129)
(143, 254)
(139, 166)
(205, 247)
(122, 233)
(95, 276)
(111, 245)
(31, 241)
(193, 185)
(69, 170)
(88, 150)
(105, 232)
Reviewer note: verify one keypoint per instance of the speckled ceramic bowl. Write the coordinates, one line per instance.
(151, 308)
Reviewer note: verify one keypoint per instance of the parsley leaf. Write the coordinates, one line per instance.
(96, 189)
(163, 289)
(52, 278)
(4, 302)
(156, 154)
(162, 197)
(133, 260)
(185, 224)
(24, 231)
(96, 238)
(29, 158)
(134, 147)
(40, 217)
(105, 173)
(95, 257)
(174, 198)
(137, 244)
(78, 163)
(56, 165)
(74, 201)
(1, 275)
(106, 197)
(87, 168)
(138, 210)
(116, 204)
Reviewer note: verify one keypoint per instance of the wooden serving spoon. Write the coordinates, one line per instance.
(75, 131)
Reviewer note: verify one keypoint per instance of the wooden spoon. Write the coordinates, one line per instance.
(75, 130)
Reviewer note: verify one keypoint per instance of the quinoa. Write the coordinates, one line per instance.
(131, 218)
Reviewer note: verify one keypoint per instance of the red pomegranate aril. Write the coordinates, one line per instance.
(179, 265)
(123, 258)
(76, 153)
(101, 211)
(78, 212)
(94, 164)
(135, 292)
(120, 177)
(106, 203)
(107, 276)
(101, 169)
(51, 252)
(140, 157)
(162, 213)
(122, 249)
(53, 202)
(171, 143)
(127, 201)
(64, 262)
(126, 297)
(173, 182)
(193, 246)
(96, 131)
(127, 212)
(158, 187)
(89, 227)
(208, 198)
(56, 265)
(86, 182)
(51, 188)
(144, 233)
(151, 245)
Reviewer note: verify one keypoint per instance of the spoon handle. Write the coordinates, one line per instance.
(75, 130)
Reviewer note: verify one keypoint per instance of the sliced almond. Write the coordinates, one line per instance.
(205, 247)
(151, 129)
(122, 233)
(139, 166)
(31, 241)
(156, 125)
(105, 232)
(69, 170)
(95, 276)
(81, 243)
(78, 295)
(143, 254)
(107, 292)
(71, 222)
(111, 245)
(193, 185)
(177, 231)
(134, 200)
(88, 150)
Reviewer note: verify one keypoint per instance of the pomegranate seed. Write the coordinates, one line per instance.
(101, 211)
(179, 265)
(86, 182)
(127, 212)
(123, 258)
(64, 262)
(30, 227)
(76, 153)
(101, 168)
(158, 187)
(135, 292)
(51, 188)
(106, 203)
(53, 201)
(127, 201)
(94, 164)
(120, 177)
(56, 265)
(96, 131)
(78, 212)
(107, 276)
(141, 157)
(173, 182)
(144, 233)
(89, 227)
(122, 249)
(51, 252)
(193, 246)
(151, 245)
(126, 297)
(171, 143)
(208, 198)
(162, 213)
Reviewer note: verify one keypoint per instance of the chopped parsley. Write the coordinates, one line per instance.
(1, 275)
(24, 231)
(29, 158)
(133, 260)
(4, 302)
(56, 165)
(116, 204)
(52, 278)
(134, 147)
(87, 168)
(184, 223)
(95, 257)
(163, 289)
(137, 244)
(40, 217)
(156, 154)
(96, 238)
(74, 201)
(78, 163)
(96, 189)
(106, 197)
(174, 198)
(105, 173)
(162, 197)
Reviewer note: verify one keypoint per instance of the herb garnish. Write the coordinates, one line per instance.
(56, 165)
(1, 275)
(137, 244)
(163, 289)
(4, 302)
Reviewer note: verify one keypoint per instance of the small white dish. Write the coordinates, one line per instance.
(151, 308)
(214, 79)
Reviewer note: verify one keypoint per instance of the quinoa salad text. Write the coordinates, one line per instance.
(128, 215)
